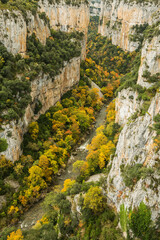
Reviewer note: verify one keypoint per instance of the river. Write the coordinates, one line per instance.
(36, 212)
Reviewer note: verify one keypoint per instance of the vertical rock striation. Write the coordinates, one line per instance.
(136, 140)
(48, 92)
(14, 27)
(119, 16)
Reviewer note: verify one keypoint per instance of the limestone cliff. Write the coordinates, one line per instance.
(119, 16)
(135, 145)
(95, 7)
(14, 27)
(46, 91)
(136, 140)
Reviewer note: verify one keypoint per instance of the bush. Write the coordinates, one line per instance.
(3, 145)
(123, 218)
(94, 200)
(132, 174)
(140, 222)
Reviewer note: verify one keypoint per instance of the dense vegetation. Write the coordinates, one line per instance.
(105, 63)
(16, 72)
(47, 147)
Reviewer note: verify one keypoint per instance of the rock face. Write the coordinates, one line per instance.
(95, 7)
(13, 31)
(149, 60)
(135, 145)
(136, 140)
(126, 105)
(48, 92)
(119, 16)
(14, 28)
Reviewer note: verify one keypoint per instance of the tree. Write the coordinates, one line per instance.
(83, 119)
(18, 168)
(3, 145)
(36, 177)
(140, 222)
(1, 59)
(15, 235)
(111, 112)
(108, 91)
(105, 153)
(97, 141)
(34, 130)
(94, 200)
(6, 166)
(68, 183)
(80, 167)
(44, 164)
(92, 160)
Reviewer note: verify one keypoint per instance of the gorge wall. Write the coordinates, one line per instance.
(46, 91)
(136, 141)
(118, 17)
(13, 34)
(14, 27)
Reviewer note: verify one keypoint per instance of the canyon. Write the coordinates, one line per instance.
(13, 34)
(119, 21)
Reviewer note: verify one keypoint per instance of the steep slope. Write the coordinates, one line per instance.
(59, 16)
(134, 176)
(118, 18)
(16, 27)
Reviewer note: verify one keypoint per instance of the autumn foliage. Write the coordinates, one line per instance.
(15, 235)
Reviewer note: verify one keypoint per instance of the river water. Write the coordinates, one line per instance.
(36, 212)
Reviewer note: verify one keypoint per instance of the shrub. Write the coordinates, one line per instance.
(123, 218)
(140, 222)
(3, 145)
(94, 200)
(132, 174)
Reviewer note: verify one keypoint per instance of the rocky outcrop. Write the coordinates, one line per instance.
(48, 92)
(126, 104)
(119, 16)
(150, 60)
(14, 27)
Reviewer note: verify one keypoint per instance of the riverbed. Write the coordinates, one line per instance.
(36, 212)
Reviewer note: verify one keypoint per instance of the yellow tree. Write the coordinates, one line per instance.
(81, 167)
(34, 130)
(67, 184)
(105, 152)
(92, 160)
(97, 141)
(111, 112)
(36, 177)
(94, 199)
(44, 165)
(15, 235)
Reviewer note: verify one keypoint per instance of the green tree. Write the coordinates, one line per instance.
(140, 222)
(3, 145)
